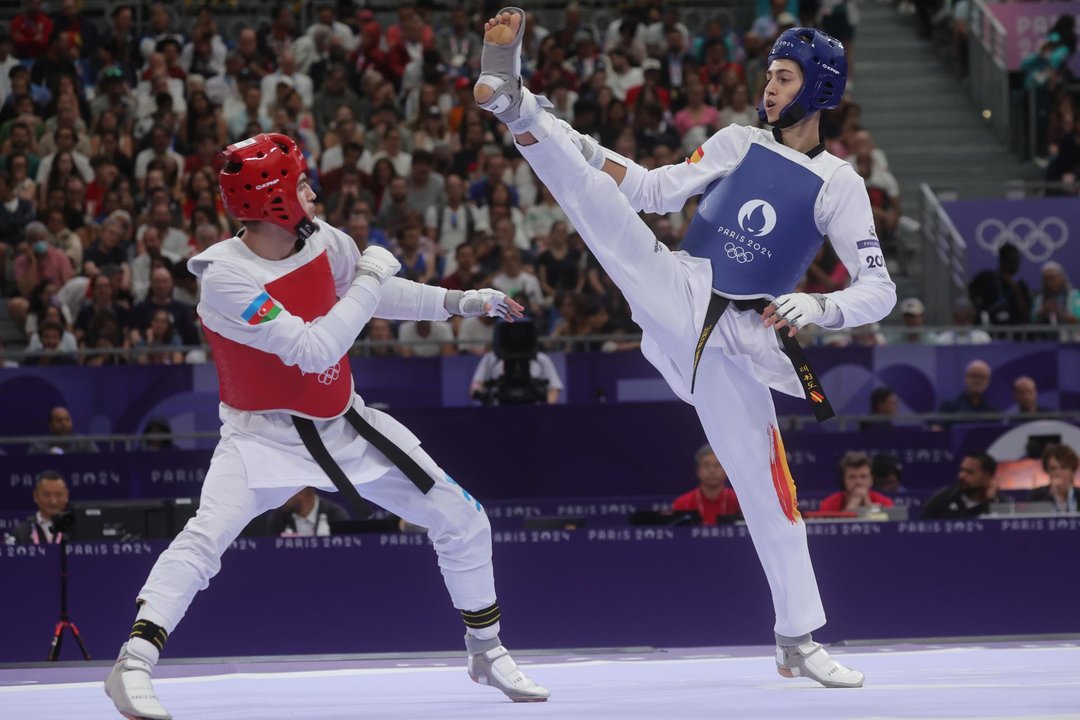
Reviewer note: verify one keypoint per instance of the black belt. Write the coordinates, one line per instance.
(314, 444)
(812, 389)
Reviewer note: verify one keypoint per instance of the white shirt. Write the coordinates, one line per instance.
(541, 368)
(82, 166)
(312, 524)
(441, 334)
(620, 84)
(147, 156)
(475, 335)
(521, 284)
(301, 83)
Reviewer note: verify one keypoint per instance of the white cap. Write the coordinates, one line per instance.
(650, 63)
(912, 306)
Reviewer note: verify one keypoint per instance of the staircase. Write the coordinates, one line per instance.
(919, 111)
(922, 116)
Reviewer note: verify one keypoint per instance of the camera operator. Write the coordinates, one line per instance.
(51, 520)
(514, 372)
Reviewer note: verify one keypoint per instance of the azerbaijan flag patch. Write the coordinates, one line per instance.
(262, 309)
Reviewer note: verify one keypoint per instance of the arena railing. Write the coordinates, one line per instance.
(989, 71)
(895, 335)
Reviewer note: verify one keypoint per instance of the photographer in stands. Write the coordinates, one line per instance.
(515, 372)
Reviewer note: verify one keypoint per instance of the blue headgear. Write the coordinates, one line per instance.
(824, 68)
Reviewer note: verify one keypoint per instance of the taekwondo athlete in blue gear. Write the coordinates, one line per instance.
(771, 198)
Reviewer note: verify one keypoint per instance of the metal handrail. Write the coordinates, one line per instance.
(1064, 333)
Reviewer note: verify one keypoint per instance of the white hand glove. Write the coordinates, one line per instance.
(473, 302)
(379, 263)
(801, 309)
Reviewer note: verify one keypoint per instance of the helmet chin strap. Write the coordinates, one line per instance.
(304, 230)
(789, 117)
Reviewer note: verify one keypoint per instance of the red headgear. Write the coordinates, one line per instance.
(258, 182)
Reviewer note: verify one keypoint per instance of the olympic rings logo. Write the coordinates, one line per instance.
(739, 254)
(330, 374)
(1036, 241)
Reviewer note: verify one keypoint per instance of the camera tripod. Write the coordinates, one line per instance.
(65, 622)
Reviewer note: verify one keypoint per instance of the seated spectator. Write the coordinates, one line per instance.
(425, 186)
(826, 273)
(494, 174)
(964, 333)
(464, 276)
(740, 111)
(973, 398)
(475, 335)
(416, 263)
(1001, 297)
(1060, 462)
(160, 297)
(15, 214)
(40, 260)
(51, 498)
(1057, 301)
(887, 473)
(970, 496)
(380, 332)
(560, 268)
(305, 514)
(573, 321)
(51, 335)
(110, 248)
(855, 492)
(394, 209)
(451, 223)
(102, 300)
(697, 113)
(883, 403)
(51, 314)
(913, 315)
(424, 338)
(161, 332)
(64, 441)
(712, 498)
(157, 426)
(517, 282)
(1026, 395)
(491, 369)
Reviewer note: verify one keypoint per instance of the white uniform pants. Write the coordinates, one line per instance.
(668, 300)
(456, 523)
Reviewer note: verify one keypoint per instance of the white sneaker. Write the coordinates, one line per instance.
(130, 689)
(811, 660)
(497, 669)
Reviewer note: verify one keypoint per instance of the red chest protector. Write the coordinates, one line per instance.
(258, 381)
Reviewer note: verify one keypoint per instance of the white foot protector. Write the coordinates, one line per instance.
(500, 71)
(130, 689)
(811, 660)
(497, 669)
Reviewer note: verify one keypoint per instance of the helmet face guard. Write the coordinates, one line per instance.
(259, 182)
(824, 67)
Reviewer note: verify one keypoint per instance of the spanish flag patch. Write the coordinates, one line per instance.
(262, 309)
(698, 154)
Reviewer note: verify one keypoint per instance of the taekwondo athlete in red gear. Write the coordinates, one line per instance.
(711, 313)
(281, 304)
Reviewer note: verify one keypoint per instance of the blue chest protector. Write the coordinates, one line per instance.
(756, 226)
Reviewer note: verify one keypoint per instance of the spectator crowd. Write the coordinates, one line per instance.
(110, 129)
